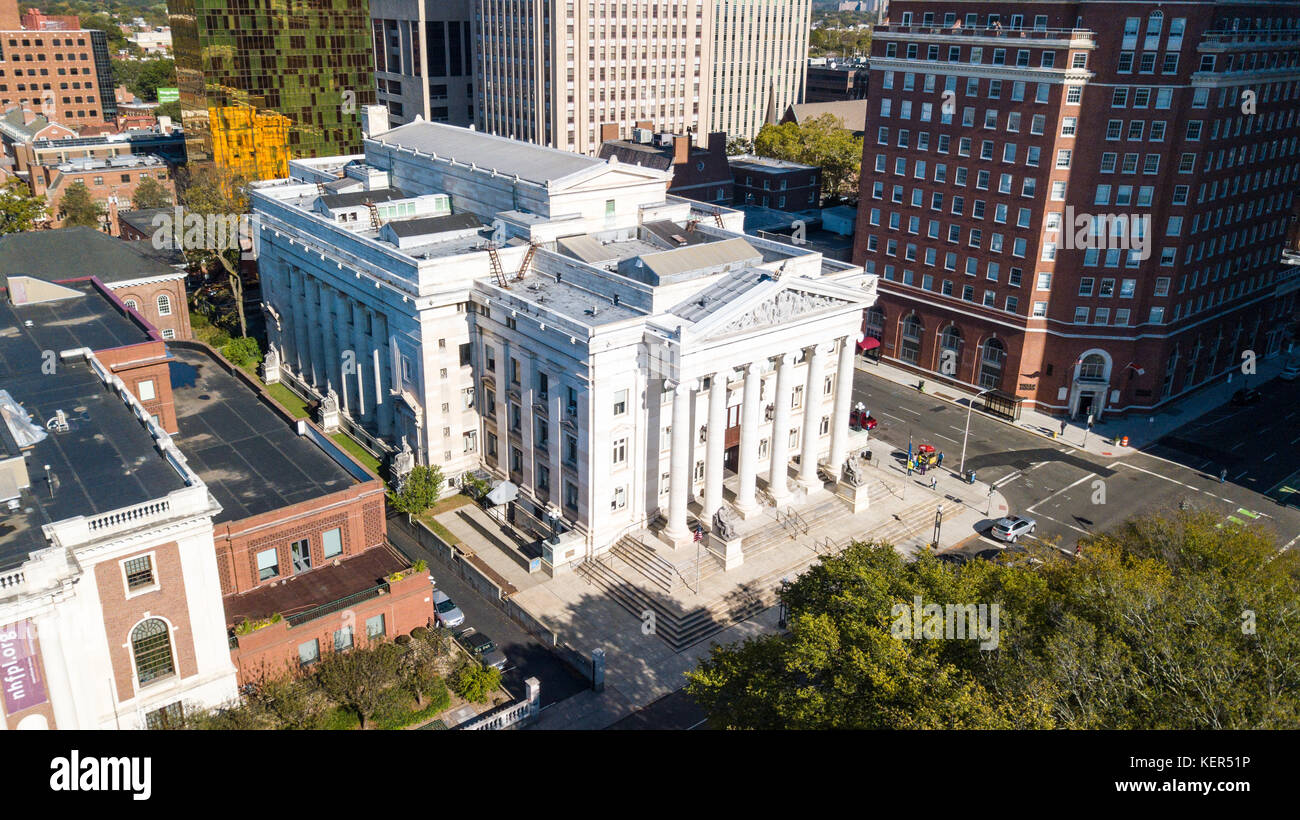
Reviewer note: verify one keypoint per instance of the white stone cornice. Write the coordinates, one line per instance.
(1056, 76)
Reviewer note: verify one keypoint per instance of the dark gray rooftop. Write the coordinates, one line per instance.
(91, 320)
(355, 198)
(250, 456)
(535, 163)
(434, 224)
(69, 253)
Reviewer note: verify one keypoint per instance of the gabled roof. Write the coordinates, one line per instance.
(853, 113)
(71, 253)
(534, 163)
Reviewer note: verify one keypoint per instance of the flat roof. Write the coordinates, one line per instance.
(355, 198)
(66, 253)
(250, 456)
(420, 226)
(534, 163)
(319, 585)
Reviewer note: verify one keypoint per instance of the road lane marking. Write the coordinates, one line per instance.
(1063, 524)
(895, 418)
(910, 410)
(954, 441)
(1058, 492)
(1270, 455)
(1008, 479)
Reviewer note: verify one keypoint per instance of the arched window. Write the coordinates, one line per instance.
(152, 646)
(1154, 23)
(910, 350)
(164, 305)
(1092, 368)
(950, 350)
(131, 303)
(875, 322)
(991, 364)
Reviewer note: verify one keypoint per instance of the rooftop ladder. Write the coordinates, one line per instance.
(374, 214)
(528, 260)
(496, 266)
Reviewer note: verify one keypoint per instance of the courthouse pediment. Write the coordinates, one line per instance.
(752, 301)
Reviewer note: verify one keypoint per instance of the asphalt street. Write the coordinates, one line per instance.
(1071, 492)
(526, 656)
(675, 710)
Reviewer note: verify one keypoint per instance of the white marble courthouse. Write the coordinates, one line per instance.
(623, 356)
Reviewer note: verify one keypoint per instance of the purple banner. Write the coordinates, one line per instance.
(20, 668)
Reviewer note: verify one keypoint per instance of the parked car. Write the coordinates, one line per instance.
(446, 611)
(1290, 372)
(1012, 527)
(482, 646)
(861, 420)
(1246, 395)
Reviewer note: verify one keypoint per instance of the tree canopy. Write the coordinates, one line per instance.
(149, 193)
(78, 208)
(19, 209)
(821, 141)
(1168, 623)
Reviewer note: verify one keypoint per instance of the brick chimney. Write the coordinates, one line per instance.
(646, 124)
(608, 131)
(681, 148)
(29, 116)
(718, 143)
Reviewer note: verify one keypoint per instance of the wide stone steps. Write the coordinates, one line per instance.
(654, 568)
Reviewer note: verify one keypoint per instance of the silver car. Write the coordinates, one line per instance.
(446, 611)
(1010, 529)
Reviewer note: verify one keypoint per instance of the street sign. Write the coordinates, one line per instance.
(166, 95)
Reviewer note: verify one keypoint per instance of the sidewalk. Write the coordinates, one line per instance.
(1141, 430)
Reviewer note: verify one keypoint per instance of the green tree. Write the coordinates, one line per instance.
(739, 145)
(243, 352)
(1167, 623)
(475, 682)
(169, 109)
(419, 491)
(77, 208)
(822, 141)
(211, 191)
(149, 193)
(19, 209)
(359, 679)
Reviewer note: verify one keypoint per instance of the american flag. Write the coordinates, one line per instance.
(699, 533)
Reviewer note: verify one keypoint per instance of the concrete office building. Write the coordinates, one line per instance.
(553, 73)
(1081, 206)
(560, 321)
(424, 59)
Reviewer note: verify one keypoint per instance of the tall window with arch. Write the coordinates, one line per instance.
(991, 361)
(1092, 368)
(152, 646)
(949, 350)
(910, 349)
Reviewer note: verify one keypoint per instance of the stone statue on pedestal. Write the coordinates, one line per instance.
(724, 526)
(853, 474)
(329, 410)
(271, 365)
(404, 461)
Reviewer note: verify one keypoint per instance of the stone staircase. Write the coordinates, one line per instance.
(681, 629)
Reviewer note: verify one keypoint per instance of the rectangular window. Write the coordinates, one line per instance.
(309, 652)
(620, 402)
(375, 627)
(145, 390)
(343, 639)
(332, 542)
(268, 564)
(139, 572)
(300, 554)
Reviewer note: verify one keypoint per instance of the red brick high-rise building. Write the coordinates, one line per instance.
(997, 132)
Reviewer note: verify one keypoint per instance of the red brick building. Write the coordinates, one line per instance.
(997, 135)
(111, 182)
(699, 173)
(70, 70)
(302, 553)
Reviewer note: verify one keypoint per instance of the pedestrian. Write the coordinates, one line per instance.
(1076, 550)
(1063, 427)
(940, 459)
(1223, 475)
(934, 481)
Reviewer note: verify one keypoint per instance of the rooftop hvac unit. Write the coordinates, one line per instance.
(665, 140)
(643, 136)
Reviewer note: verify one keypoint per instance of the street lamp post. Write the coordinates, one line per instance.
(962, 467)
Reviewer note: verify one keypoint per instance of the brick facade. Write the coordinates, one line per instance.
(1061, 110)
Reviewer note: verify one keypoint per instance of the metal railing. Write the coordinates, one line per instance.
(798, 519)
(315, 612)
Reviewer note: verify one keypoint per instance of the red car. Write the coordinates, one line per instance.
(861, 420)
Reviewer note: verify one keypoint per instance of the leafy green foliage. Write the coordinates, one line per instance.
(243, 352)
(420, 490)
(821, 141)
(78, 209)
(475, 682)
(149, 193)
(1145, 632)
(19, 210)
(359, 680)
(144, 77)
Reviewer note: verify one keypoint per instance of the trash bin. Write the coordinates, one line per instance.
(970, 476)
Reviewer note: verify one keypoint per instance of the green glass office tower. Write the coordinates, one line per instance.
(265, 81)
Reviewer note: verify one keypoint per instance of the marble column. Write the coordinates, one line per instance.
(385, 404)
(843, 405)
(715, 444)
(503, 409)
(555, 410)
(316, 375)
(360, 350)
(747, 467)
(301, 325)
(778, 475)
(680, 476)
(812, 417)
